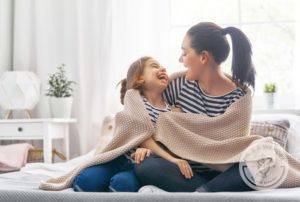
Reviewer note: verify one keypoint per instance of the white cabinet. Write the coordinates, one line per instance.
(38, 129)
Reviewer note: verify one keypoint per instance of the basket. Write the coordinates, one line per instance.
(37, 155)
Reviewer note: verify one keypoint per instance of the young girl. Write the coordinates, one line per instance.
(118, 174)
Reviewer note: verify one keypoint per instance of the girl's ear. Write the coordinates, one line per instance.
(139, 82)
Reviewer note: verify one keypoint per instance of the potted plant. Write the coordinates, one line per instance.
(60, 93)
(270, 91)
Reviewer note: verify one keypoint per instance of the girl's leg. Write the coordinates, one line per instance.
(229, 180)
(125, 181)
(159, 172)
(97, 178)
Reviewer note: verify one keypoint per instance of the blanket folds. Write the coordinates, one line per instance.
(215, 141)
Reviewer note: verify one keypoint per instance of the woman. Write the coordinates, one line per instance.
(204, 89)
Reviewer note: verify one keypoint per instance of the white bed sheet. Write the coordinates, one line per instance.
(30, 176)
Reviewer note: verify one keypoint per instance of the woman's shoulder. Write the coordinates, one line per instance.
(238, 91)
(241, 89)
(177, 75)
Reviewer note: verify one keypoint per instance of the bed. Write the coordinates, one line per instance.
(23, 185)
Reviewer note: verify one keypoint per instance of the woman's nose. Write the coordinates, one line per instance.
(180, 59)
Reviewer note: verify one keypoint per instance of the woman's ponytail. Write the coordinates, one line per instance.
(123, 90)
(242, 68)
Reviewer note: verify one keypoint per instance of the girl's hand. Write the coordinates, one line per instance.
(140, 154)
(184, 167)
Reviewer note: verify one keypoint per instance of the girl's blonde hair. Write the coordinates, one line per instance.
(133, 79)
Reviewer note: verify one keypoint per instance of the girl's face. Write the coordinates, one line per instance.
(152, 79)
(193, 61)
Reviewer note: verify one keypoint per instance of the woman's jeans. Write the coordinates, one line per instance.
(159, 172)
(116, 175)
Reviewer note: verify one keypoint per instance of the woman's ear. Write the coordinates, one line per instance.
(205, 57)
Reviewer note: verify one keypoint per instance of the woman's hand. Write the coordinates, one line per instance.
(140, 154)
(184, 167)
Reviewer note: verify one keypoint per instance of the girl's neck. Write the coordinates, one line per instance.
(155, 98)
(214, 82)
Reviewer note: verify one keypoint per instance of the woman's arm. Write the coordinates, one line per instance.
(183, 165)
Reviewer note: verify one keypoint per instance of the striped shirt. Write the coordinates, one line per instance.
(189, 96)
(153, 111)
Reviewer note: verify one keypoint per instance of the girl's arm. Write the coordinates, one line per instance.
(153, 146)
(183, 165)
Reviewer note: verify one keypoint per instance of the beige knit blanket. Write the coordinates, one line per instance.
(216, 141)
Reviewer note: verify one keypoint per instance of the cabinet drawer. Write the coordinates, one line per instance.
(20, 130)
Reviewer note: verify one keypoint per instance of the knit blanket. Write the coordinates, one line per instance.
(217, 142)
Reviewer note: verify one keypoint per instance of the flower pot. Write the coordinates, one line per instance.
(61, 107)
(270, 100)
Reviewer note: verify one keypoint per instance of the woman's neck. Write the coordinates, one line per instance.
(214, 82)
(155, 98)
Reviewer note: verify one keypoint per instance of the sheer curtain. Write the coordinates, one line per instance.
(97, 40)
(6, 17)
(296, 68)
(6, 30)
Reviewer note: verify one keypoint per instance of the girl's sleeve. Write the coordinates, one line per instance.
(171, 92)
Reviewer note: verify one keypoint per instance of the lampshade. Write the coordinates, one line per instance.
(19, 90)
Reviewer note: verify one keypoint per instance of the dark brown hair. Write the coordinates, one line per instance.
(133, 79)
(207, 36)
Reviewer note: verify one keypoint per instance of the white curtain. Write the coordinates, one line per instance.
(296, 68)
(6, 17)
(97, 40)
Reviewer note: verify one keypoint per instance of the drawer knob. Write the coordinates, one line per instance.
(20, 129)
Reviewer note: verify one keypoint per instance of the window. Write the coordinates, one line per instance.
(271, 26)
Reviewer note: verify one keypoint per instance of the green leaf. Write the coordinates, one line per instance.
(59, 85)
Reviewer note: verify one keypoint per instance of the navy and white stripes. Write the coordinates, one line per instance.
(153, 111)
(189, 96)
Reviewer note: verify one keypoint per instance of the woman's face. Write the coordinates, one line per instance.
(153, 79)
(194, 62)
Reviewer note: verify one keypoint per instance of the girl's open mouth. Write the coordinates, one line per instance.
(164, 78)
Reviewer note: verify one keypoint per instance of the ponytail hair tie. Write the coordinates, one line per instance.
(224, 31)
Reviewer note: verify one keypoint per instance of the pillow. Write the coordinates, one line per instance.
(277, 129)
